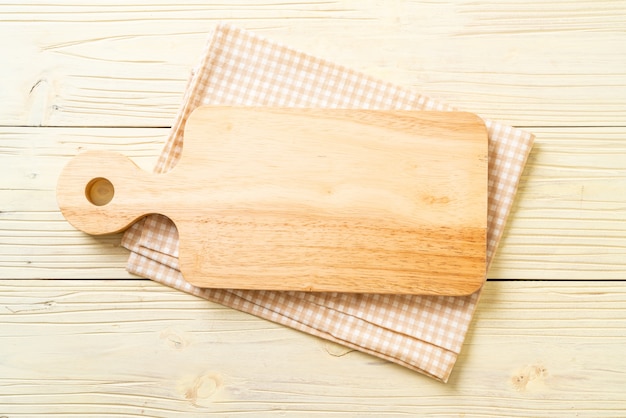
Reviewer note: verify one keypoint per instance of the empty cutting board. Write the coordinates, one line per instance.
(307, 199)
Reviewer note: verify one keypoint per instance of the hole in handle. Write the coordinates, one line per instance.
(99, 191)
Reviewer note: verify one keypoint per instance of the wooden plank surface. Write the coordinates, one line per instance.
(134, 348)
(110, 76)
(529, 63)
(568, 222)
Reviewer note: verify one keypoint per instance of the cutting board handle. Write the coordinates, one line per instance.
(102, 192)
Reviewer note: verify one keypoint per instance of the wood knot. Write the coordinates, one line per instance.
(175, 339)
(530, 376)
(200, 387)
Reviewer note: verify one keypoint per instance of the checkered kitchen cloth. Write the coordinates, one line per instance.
(424, 333)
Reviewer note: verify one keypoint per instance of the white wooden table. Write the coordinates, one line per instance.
(549, 338)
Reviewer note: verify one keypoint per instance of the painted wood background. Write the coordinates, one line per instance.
(549, 338)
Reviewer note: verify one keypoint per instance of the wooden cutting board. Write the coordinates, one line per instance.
(307, 199)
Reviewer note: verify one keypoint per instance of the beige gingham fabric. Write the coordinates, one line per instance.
(424, 333)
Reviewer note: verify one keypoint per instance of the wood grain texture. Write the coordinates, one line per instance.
(568, 222)
(528, 63)
(97, 348)
(307, 199)
(135, 348)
